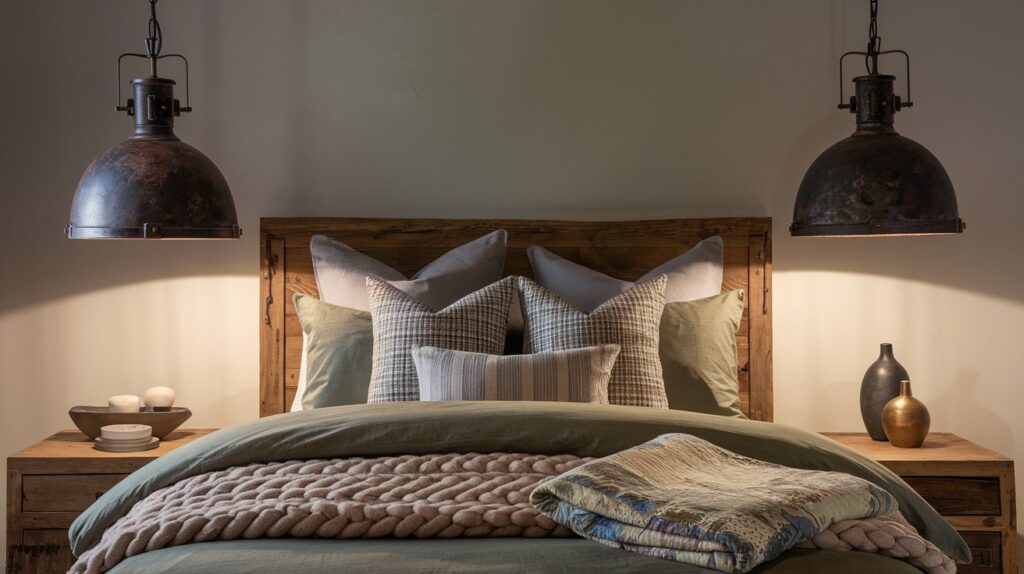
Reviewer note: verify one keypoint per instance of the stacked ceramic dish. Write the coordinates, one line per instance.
(126, 438)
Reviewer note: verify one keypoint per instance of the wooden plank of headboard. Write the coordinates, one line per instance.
(272, 335)
(624, 249)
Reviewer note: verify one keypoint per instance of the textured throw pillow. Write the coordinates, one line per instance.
(576, 375)
(338, 343)
(693, 275)
(698, 354)
(629, 320)
(341, 274)
(476, 323)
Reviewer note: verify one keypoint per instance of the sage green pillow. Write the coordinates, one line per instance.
(698, 354)
(339, 351)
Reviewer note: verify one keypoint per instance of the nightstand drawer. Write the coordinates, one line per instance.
(986, 553)
(959, 496)
(42, 550)
(64, 492)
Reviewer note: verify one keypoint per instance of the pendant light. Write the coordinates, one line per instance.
(875, 182)
(153, 185)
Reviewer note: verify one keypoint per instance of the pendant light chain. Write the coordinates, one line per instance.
(155, 40)
(874, 42)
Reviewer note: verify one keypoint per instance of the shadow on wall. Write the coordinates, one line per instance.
(958, 262)
(73, 266)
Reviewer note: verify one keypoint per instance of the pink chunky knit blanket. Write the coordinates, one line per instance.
(442, 495)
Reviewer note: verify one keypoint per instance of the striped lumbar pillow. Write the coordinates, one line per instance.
(575, 375)
(476, 323)
(630, 320)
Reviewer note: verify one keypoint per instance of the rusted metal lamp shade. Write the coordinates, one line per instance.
(153, 185)
(876, 182)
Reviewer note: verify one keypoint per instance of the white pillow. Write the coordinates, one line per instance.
(693, 275)
(341, 274)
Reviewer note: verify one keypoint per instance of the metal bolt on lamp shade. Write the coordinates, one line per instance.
(153, 185)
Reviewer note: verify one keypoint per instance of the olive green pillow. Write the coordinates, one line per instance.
(339, 347)
(698, 354)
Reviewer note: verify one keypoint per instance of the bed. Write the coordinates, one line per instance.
(621, 249)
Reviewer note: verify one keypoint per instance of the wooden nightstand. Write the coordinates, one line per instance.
(971, 487)
(51, 482)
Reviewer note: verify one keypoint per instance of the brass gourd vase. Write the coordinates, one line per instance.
(906, 419)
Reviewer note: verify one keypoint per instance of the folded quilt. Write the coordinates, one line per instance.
(682, 498)
(426, 496)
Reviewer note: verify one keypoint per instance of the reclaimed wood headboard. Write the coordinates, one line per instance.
(623, 249)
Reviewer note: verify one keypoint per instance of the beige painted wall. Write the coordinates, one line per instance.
(577, 109)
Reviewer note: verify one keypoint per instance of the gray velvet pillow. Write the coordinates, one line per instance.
(698, 354)
(574, 375)
(693, 275)
(339, 353)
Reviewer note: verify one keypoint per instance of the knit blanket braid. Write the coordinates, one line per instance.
(429, 496)
(889, 535)
(439, 496)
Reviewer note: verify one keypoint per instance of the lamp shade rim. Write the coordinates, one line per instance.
(879, 228)
(153, 231)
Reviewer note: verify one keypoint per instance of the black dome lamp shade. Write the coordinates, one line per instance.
(875, 182)
(153, 185)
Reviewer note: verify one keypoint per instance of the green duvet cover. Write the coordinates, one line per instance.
(422, 428)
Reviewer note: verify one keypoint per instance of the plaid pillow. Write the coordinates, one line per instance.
(475, 323)
(576, 375)
(630, 320)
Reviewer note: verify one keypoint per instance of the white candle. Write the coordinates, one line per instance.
(159, 398)
(123, 404)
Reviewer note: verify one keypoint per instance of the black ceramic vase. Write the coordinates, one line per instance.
(880, 385)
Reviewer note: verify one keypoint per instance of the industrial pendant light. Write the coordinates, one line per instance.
(153, 185)
(875, 182)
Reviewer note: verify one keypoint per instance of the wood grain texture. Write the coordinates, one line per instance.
(51, 482)
(939, 447)
(41, 551)
(971, 486)
(953, 496)
(623, 249)
(77, 491)
(272, 338)
(986, 553)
